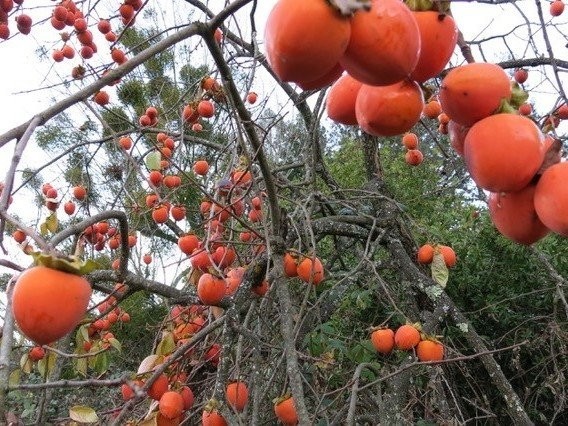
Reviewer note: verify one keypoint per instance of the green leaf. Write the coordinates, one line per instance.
(153, 160)
(101, 363)
(440, 270)
(166, 345)
(46, 364)
(83, 414)
(80, 365)
(115, 344)
(14, 378)
(43, 229)
(52, 223)
(82, 335)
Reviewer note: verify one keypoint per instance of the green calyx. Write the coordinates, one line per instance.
(71, 264)
(442, 7)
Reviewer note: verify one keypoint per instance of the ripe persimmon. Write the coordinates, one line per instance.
(430, 350)
(206, 109)
(514, 215)
(425, 254)
(237, 395)
(201, 167)
(310, 270)
(474, 91)
(187, 395)
(384, 46)
(438, 36)
(285, 410)
(556, 8)
(406, 337)
(36, 353)
(212, 418)
(171, 405)
(383, 340)
(510, 164)
(413, 157)
(449, 255)
(211, 289)
(389, 110)
(159, 387)
(340, 103)
(37, 303)
(551, 198)
(304, 40)
(290, 265)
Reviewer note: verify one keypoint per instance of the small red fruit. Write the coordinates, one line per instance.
(383, 340)
(406, 337)
(171, 405)
(430, 350)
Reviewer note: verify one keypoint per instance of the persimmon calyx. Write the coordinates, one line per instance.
(425, 5)
(71, 264)
(348, 7)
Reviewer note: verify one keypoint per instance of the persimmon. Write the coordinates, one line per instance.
(201, 167)
(389, 110)
(515, 217)
(384, 46)
(19, 236)
(212, 418)
(290, 265)
(234, 279)
(36, 353)
(4, 31)
(211, 289)
(187, 395)
(213, 354)
(406, 337)
(286, 412)
(430, 350)
(474, 91)
(237, 395)
(178, 212)
(325, 80)
(551, 198)
(127, 392)
(410, 140)
(556, 8)
(37, 303)
(57, 56)
(432, 109)
(340, 103)
(69, 207)
(103, 26)
(241, 177)
(86, 52)
(438, 36)
(171, 405)
(261, 289)
(562, 112)
(521, 75)
(310, 270)
(118, 56)
(425, 254)
(503, 152)
(449, 255)
(383, 340)
(413, 157)
(251, 97)
(304, 40)
(457, 133)
(101, 98)
(188, 243)
(160, 213)
(125, 142)
(60, 13)
(159, 387)
(206, 109)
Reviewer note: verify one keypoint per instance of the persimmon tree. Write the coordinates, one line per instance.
(313, 212)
